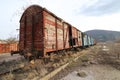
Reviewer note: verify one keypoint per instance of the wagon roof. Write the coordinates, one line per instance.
(36, 9)
(30, 8)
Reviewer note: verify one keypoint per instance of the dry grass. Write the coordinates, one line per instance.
(43, 67)
(111, 57)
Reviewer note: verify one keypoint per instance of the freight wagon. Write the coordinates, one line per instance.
(42, 32)
(85, 40)
(7, 48)
(92, 41)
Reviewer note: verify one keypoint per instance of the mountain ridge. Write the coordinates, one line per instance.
(104, 35)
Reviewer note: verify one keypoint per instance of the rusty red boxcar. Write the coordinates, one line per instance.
(42, 31)
(6, 48)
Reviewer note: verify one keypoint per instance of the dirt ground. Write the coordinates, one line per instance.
(7, 57)
(99, 62)
(95, 72)
(39, 68)
(102, 62)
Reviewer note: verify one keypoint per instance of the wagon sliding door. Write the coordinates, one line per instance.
(49, 32)
(60, 35)
(66, 36)
(79, 38)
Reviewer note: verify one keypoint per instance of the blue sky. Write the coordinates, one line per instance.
(83, 14)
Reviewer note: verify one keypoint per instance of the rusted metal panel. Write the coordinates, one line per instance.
(79, 38)
(74, 32)
(49, 32)
(6, 48)
(43, 31)
(74, 36)
(38, 32)
(28, 33)
(31, 30)
(66, 35)
(13, 47)
(3, 48)
(59, 35)
(21, 41)
(53, 33)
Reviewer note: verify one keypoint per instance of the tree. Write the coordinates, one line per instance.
(11, 40)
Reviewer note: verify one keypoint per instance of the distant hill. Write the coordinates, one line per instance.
(104, 35)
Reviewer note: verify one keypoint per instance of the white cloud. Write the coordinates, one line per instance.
(100, 7)
(68, 10)
(106, 22)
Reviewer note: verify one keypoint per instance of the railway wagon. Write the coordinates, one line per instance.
(85, 40)
(42, 32)
(6, 48)
(92, 41)
(89, 40)
(76, 37)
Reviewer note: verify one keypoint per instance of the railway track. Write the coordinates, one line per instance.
(18, 67)
(9, 71)
(10, 64)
